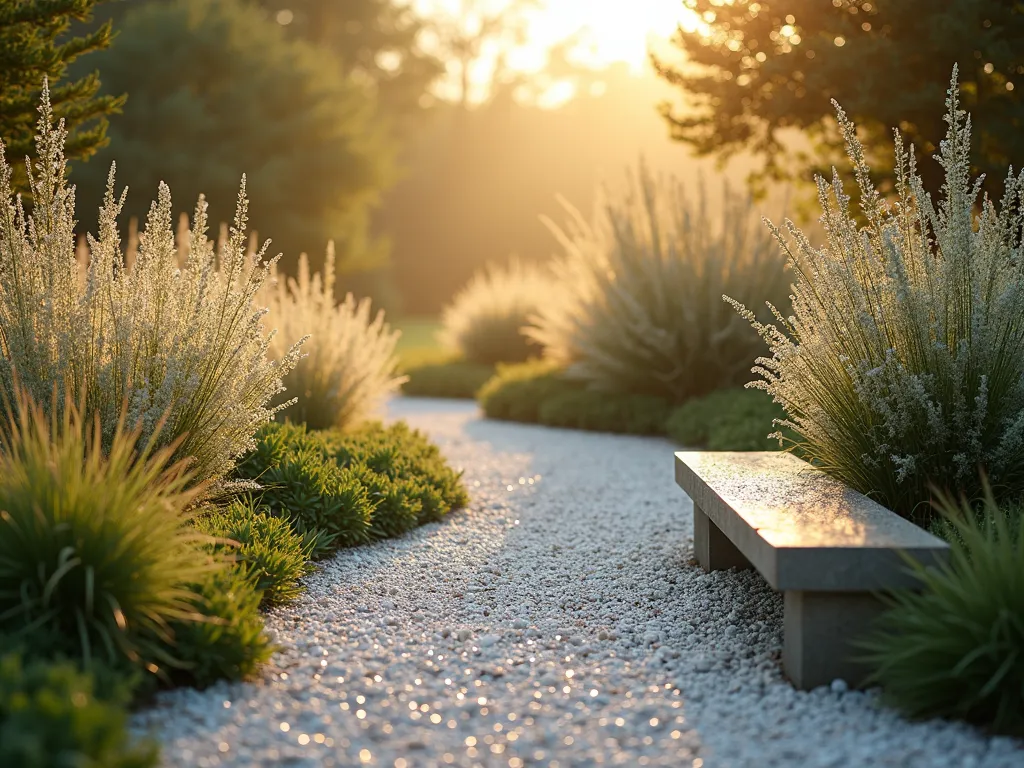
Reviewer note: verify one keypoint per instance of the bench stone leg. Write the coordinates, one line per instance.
(818, 630)
(712, 548)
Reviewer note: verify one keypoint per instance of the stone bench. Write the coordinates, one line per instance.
(827, 548)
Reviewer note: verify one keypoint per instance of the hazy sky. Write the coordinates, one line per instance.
(618, 29)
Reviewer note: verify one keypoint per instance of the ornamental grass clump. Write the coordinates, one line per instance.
(96, 546)
(903, 363)
(955, 648)
(642, 311)
(486, 321)
(177, 344)
(349, 363)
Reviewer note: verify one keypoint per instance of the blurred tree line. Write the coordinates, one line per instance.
(357, 121)
(758, 69)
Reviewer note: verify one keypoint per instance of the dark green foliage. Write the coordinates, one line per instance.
(536, 392)
(727, 420)
(51, 716)
(227, 641)
(219, 89)
(956, 648)
(343, 489)
(35, 45)
(315, 494)
(361, 33)
(408, 458)
(749, 82)
(604, 412)
(456, 378)
(516, 392)
(265, 548)
(95, 550)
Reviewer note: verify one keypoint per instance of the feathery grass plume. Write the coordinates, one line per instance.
(903, 362)
(955, 648)
(184, 344)
(485, 321)
(643, 312)
(95, 545)
(349, 365)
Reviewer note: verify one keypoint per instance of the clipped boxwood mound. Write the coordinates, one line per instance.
(537, 392)
(727, 420)
(448, 378)
(343, 489)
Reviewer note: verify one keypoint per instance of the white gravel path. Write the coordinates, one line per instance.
(559, 621)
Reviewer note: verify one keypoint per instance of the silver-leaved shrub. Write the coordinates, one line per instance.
(160, 340)
(902, 366)
(349, 365)
(486, 321)
(642, 309)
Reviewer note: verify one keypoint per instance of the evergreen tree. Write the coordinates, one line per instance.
(35, 44)
(759, 68)
(217, 90)
(375, 40)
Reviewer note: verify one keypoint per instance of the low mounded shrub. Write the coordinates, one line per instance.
(264, 547)
(538, 392)
(516, 392)
(455, 379)
(485, 320)
(95, 550)
(349, 366)
(604, 412)
(902, 366)
(727, 420)
(183, 343)
(51, 717)
(225, 641)
(955, 649)
(344, 489)
(642, 311)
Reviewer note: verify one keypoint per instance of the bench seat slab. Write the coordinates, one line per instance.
(828, 549)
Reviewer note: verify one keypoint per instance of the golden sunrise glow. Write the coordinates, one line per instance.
(605, 31)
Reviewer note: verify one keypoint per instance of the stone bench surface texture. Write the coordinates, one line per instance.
(828, 548)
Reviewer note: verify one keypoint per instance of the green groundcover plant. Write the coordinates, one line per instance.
(642, 311)
(181, 344)
(265, 548)
(902, 364)
(728, 420)
(343, 489)
(485, 322)
(349, 363)
(225, 638)
(96, 549)
(539, 392)
(955, 648)
(51, 716)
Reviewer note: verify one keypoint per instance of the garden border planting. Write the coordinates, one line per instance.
(829, 549)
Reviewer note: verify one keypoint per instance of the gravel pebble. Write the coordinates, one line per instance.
(558, 621)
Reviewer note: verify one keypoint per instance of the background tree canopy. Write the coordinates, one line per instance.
(34, 45)
(375, 41)
(762, 67)
(217, 89)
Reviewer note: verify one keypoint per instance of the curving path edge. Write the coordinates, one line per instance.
(558, 621)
